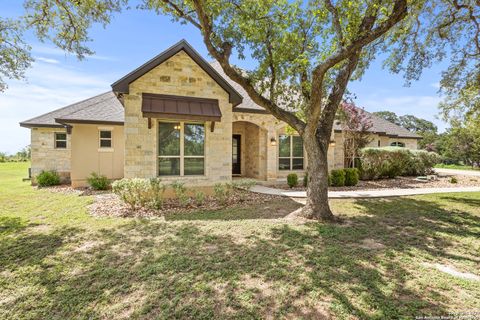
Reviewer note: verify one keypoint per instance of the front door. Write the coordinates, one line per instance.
(236, 159)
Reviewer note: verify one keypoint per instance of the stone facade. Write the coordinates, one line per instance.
(46, 157)
(180, 76)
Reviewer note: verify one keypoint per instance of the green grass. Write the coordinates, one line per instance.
(456, 166)
(58, 262)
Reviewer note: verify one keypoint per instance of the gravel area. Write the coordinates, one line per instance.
(67, 189)
(442, 181)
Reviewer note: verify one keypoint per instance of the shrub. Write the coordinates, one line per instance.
(48, 178)
(199, 198)
(137, 192)
(244, 184)
(395, 161)
(180, 192)
(338, 178)
(222, 192)
(351, 176)
(305, 180)
(329, 180)
(292, 180)
(453, 180)
(98, 182)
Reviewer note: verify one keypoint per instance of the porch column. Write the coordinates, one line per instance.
(272, 154)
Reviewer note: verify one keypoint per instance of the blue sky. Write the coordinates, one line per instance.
(133, 37)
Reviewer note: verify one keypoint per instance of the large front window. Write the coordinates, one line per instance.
(181, 149)
(290, 153)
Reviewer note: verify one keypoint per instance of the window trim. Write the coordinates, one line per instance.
(100, 130)
(182, 155)
(397, 144)
(291, 157)
(55, 140)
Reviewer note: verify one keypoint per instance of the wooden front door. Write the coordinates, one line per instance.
(236, 154)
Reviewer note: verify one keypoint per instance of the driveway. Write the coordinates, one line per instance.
(474, 173)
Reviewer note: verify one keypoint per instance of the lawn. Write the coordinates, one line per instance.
(456, 166)
(58, 262)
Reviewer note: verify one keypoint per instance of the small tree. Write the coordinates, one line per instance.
(356, 124)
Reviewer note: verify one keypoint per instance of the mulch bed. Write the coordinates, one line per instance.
(442, 181)
(109, 204)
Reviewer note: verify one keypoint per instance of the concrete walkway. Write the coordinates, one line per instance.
(473, 173)
(381, 193)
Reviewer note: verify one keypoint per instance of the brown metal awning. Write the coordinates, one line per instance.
(180, 107)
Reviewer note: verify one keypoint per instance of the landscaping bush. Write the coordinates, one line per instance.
(396, 161)
(243, 184)
(453, 180)
(351, 176)
(136, 192)
(338, 178)
(48, 178)
(98, 182)
(180, 192)
(305, 180)
(199, 198)
(292, 180)
(222, 192)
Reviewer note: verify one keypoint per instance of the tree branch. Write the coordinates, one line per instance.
(335, 21)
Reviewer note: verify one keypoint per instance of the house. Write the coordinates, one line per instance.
(181, 118)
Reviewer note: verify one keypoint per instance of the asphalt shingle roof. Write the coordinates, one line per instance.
(104, 107)
(107, 108)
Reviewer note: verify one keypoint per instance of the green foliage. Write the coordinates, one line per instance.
(140, 193)
(243, 184)
(199, 198)
(292, 180)
(352, 176)
(48, 178)
(180, 192)
(305, 180)
(15, 55)
(453, 180)
(338, 178)
(222, 192)
(394, 161)
(98, 182)
(3, 157)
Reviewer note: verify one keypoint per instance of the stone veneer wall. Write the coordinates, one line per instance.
(45, 156)
(181, 76)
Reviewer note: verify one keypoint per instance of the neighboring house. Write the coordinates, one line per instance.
(180, 118)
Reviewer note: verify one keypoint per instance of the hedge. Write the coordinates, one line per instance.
(396, 161)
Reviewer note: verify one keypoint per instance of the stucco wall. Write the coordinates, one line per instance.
(181, 76)
(385, 141)
(44, 154)
(88, 157)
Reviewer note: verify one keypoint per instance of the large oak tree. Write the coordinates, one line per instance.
(306, 52)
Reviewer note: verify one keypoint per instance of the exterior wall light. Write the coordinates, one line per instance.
(273, 141)
(332, 143)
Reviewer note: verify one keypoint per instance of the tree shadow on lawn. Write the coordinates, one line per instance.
(151, 269)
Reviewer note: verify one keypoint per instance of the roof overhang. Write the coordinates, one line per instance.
(180, 107)
(82, 121)
(122, 85)
(40, 125)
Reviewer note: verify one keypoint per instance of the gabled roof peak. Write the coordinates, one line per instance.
(122, 85)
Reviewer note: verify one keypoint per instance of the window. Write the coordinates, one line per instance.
(60, 140)
(290, 153)
(181, 149)
(105, 139)
(397, 144)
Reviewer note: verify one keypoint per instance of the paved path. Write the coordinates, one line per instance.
(475, 173)
(381, 193)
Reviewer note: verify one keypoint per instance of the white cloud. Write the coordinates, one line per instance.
(435, 85)
(49, 87)
(47, 60)
(59, 52)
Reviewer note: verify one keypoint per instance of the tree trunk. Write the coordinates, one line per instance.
(317, 206)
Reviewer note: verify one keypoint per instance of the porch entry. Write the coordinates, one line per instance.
(236, 154)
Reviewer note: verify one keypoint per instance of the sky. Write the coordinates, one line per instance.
(57, 79)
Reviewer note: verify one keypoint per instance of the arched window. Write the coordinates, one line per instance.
(397, 144)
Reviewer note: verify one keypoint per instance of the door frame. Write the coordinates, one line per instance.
(238, 137)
